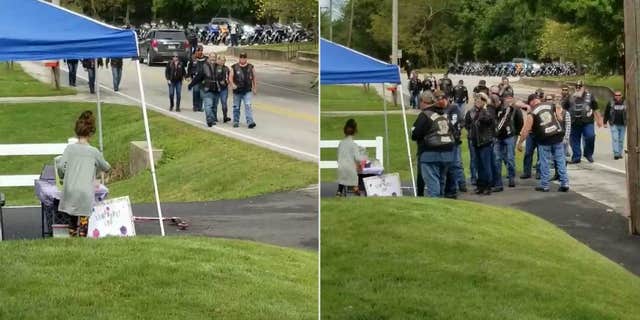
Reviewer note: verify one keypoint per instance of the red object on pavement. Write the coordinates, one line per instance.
(392, 89)
(51, 64)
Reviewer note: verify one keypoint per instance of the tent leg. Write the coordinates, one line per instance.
(97, 85)
(150, 149)
(406, 135)
(387, 162)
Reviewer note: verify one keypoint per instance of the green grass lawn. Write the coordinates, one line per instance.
(14, 82)
(407, 258)
(614, 82)
(371, 126)
(304, 46)
(196, 166)
(350, 98)
(156, 278)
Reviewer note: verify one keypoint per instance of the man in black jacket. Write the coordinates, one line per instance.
(175, 73)
(193, 68)
(72, 64)
(482, 135)
(432, 132)
(482, 87)
(460, 96)
(615, 115)
(446, 85)
(509, 123)
(414, 89)
(455, 179)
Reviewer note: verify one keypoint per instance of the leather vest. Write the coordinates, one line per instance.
(580, 109)
(545, 123)
(439, 134)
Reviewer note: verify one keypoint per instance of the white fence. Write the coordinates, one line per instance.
(34, 149)
(329, 144)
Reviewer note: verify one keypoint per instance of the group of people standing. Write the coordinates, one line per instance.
(497, 124)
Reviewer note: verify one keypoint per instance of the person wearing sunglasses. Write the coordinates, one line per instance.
(615, 115)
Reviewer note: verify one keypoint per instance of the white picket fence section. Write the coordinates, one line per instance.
(32, 149)
(332, 144)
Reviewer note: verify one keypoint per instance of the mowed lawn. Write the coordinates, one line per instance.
(351, 98)
(14, 82)
(196, 165)
(156, 278)
(409, 258)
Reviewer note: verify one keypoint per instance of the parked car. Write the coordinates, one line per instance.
(161, 44)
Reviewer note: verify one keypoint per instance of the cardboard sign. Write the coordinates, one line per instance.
(112, 217)
(386, 185)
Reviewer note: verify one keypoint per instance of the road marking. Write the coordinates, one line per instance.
(230, 132)
(286, 112)
(610, 168)
(288, 89)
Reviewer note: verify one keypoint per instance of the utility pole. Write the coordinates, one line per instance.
(350, 24)
(632, 88)
(394, 33)
(330, 20)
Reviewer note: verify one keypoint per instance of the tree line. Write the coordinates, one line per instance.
(136, 12)
(434, 33)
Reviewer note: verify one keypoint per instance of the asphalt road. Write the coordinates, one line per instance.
(285, 107)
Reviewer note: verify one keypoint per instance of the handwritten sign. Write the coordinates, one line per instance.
(112, 217)
(386, 185)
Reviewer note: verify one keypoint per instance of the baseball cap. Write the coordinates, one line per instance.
(507, 94)
(483, 83)
(438, 94)
(428, 98)
(579, 84)
(243, 54)
(482, 96)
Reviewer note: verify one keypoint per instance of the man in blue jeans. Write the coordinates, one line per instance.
(206, 81)
(583, 108)
(116, 71)
(243, 82)
(615, 115)
(432, 132)
(456, 180)
(468, 123)
(509, 123)
(72, 64)
(546, 120)
(175, 73)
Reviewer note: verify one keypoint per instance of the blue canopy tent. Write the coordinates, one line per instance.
(37, 30)
(342, 65)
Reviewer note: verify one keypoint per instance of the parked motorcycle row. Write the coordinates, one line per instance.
(247, 34)
(517, 69)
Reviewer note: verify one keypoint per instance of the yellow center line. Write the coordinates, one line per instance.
(285, 112)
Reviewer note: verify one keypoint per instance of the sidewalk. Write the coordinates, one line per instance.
(582, 218)
(288, 219)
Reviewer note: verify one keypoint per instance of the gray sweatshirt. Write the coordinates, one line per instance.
(78, 166)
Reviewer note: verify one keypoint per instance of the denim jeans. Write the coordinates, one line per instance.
(419, 180)
(197, 99)
(504, 150)
(175, 88)
(222, 96)
(238, 98)
(472, 162)
(434, 175)
(413, 102)
(549, 154)
(581, 132)
(117, 76)
(484, 164)
(460, 107)
(617, 139)
(207, 102)
(73, 69)
(456, 167)
(530, 148)
(92, 79)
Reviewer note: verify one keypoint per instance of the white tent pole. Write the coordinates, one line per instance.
(387, 162)
(97, 86)
(148, 135)
(406, 135)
